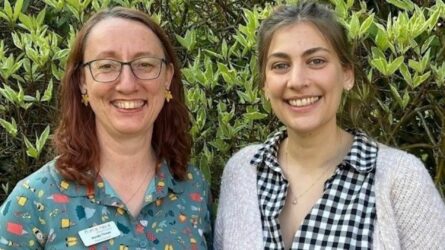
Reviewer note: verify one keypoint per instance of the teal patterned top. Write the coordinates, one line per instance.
(46, 212)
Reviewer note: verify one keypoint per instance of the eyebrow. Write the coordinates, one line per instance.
(305, 53)
(114, 54)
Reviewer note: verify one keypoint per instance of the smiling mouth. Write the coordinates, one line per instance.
(302, 102)
(128, 104)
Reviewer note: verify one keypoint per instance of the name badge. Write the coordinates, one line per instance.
(99, 233)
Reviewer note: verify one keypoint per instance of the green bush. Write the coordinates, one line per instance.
(399, 44)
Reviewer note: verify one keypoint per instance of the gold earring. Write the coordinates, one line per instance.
(85, 99)
(168, 95)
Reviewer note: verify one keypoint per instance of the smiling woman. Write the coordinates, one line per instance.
(122, 178)
(315, 185)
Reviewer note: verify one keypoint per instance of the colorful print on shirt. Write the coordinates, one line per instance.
(46, 212)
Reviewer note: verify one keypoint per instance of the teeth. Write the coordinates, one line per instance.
(303, 101)
(128, 104)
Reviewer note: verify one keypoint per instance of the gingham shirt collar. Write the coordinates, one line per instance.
(362, 157)
(349, 195)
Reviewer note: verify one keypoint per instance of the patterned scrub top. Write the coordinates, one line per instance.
(46, 212)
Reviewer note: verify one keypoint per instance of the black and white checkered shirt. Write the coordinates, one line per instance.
(344, 216)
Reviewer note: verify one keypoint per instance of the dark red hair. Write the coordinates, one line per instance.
(75, 139)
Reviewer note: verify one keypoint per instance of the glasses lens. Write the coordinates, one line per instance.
(105, 70)
(147, 68)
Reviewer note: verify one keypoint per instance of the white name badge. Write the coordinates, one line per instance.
(99, 233)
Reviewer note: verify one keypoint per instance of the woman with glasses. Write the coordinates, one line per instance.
(315, 185)
(121, 179)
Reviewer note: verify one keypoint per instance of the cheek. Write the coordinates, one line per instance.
(273, 85)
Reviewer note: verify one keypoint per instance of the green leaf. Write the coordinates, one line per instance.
(47, 95)
(416, 66)
(224, 49)
(31, 151)
(427, 44)
(364, 27)
(425, 60)
(17, 41)
(394, 65)
(7, 9)
(405, 100)
(418, 80)
(439, 72)
(27, 22)
(354, 26)
(41, 17)
(228, 74)
(255, 115)
(381, 40)
(189, 40)
(341, 9)
(17, 9)
(9, 93)
(10, 127)
(405, 73)
(41, 140)
(396, 95)
(402, 4)
(380, 64)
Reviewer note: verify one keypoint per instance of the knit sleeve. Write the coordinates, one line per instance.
(418, 207)
(238, 223)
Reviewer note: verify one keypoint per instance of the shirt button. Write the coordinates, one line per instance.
(142, 243)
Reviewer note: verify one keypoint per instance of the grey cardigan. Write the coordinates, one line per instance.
(410, 211)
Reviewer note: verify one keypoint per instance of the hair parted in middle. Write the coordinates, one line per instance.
(75, 139)
(309, 12)
(325, 20)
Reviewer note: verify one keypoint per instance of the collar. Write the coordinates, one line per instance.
(362, 156)
(164, 181)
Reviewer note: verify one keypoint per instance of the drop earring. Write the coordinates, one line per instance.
(85, 98)
(168, 95)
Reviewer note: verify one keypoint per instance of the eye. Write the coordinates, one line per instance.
(145, 64)
(279, 66)
(106, 65)
(317, 62)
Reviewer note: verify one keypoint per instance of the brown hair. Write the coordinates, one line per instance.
(75, 139)
(325, 20)
(306, 11)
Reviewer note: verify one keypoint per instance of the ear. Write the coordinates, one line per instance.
(170, 71)
(349, 79)
(266, 92)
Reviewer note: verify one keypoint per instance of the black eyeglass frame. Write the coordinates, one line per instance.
(163, 60)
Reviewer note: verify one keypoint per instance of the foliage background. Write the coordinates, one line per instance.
(399, 45)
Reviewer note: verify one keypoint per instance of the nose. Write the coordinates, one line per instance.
(297, 77)
(127, 81)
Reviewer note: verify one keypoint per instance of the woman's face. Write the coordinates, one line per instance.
(304, 78)
(127, 106)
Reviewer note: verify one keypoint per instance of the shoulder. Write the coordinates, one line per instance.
(42, 179)
(408, 203)
(398, 163)
(29, 194)
(240, 163)
(195, 175)
(194, 183)
(402, 177)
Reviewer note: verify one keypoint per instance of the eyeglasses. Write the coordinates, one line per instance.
(108, 70)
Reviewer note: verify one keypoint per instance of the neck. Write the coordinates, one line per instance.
(317, 149)
(125, 156)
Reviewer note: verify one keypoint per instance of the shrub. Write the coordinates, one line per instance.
(399, 44)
